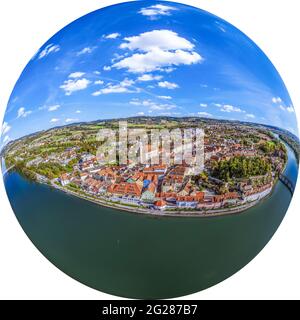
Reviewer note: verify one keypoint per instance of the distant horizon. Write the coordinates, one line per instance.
(148, 116)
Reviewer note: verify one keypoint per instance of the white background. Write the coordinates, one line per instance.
(26, 25)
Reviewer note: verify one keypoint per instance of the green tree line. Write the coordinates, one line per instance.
(240, 167)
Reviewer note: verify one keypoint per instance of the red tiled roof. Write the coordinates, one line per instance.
(152, 187)
(189, 198)
(226, 196)
(125, 188)
(160, 203)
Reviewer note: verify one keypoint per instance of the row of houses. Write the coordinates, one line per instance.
(159, 187)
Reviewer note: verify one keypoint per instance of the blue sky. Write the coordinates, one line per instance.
(147, 58)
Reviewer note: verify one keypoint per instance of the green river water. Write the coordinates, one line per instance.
(140, 256)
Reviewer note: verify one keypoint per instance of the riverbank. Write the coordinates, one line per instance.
(292, 144)
(159, 213)
(206, 213)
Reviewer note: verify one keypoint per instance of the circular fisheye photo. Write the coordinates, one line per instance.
(150, 150)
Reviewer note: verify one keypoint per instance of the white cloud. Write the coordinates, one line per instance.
(54, 107)
(50, 48)
(157, 39)
(156, 60)
(136, 102)
(162, 107)
(229, 108)
(76, 75)
(152, 105)
(164, 97)
(106, 68)
(98, 82)
(71, 86)
(168, 85)
(77, 111)
(282, 107)
(203, 85)
(22, 113)
(5, 128)
(122, 87)
(6, 139)
(54, 120)
(117, 57)
(158, 50)
(218, 105)
(149, 77)
(220, 26)
(276, 100)
(204, 114)
(114, 35)
(290, 109)
(154, 11)
(86, 50)
(68, 120)
(97, 72)
(203, 105)
(169, 70)
(140, 113)
(250, 116)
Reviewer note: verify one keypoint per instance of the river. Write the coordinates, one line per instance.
(142, 256)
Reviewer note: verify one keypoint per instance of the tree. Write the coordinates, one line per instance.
(240, 167)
